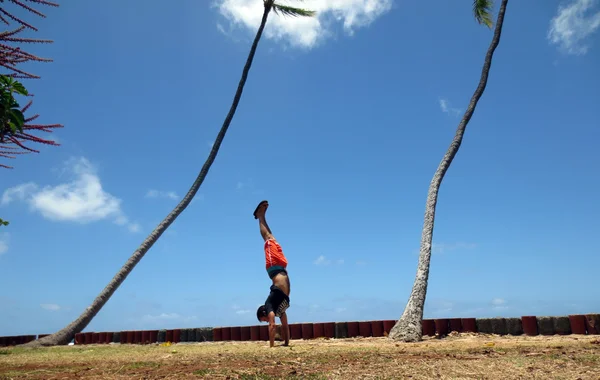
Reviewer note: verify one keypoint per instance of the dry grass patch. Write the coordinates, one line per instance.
(456, 357)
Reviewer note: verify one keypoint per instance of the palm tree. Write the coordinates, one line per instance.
(408, 328)
(66, 334)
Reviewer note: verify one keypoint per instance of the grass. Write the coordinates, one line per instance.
(456, 357)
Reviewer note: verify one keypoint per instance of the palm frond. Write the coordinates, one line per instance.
(286, 10)
(482, 10)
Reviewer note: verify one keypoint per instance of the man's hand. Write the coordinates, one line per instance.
(272, 328)
(285, 329)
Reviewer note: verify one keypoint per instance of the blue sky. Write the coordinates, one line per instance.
(343, 122)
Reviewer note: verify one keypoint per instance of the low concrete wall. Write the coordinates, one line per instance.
(528, 325)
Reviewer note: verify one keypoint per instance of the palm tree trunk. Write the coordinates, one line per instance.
(408, 328)
(65, 335)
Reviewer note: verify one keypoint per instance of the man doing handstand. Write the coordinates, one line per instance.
(276, 263)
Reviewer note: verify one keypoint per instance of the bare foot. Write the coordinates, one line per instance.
(261, 209)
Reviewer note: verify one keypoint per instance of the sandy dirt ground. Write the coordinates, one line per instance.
(461, 356)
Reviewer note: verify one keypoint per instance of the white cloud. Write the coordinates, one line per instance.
(82, 200)
(167, 317)
(248, 186)
(573, 25)
(305, 32)
(198, 197)
(134, 227)
(161, 194)
(162, 316)
(239, 310)
(50, 306)
(361, 263)
(322, 260)
(4, 242)
(440, 307)
(498, 302)
(447, 108)
(19, 192)
(222, 30)
(446, 247)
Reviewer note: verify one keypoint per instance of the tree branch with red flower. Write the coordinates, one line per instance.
(16, 130)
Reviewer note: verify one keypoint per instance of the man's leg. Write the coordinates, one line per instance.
(265, 231)
(273, 253)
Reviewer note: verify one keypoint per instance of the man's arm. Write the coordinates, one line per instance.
(272, 328)
(285, 330)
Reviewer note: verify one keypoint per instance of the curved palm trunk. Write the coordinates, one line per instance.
(65, 335)
(408, 328)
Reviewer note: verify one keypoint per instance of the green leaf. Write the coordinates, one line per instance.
(285, 10)
(482, 11)
(16, 116)
(12, 119)
(20, 89)
(5, 80)
(12, 103)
